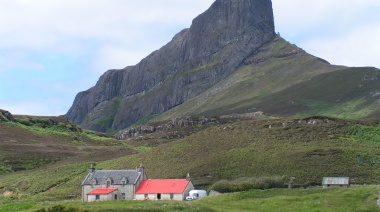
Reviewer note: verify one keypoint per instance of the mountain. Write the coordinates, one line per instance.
(230, 61)
(215, 45)
(284, 80)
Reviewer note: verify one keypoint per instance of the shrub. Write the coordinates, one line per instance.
(245, 184)
(59, 208)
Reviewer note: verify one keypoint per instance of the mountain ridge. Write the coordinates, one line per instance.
(229, 61)
(197, 58)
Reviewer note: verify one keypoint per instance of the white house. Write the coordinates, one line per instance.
(169, 189)
(104, 185)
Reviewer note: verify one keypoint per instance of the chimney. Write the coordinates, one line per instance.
(188, 178)
(142, 170)
(92, 168)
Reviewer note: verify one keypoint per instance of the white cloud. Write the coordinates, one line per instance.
(38, 108)
(358, 48)
(97, 35)
(345, 32)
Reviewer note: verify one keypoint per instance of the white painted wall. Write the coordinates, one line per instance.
(92, 198)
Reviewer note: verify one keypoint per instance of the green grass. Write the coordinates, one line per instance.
(252, 149)
(309, 149)
(352, 199)
(335, 200)
(60, 128)
(351, 109)
(243, 89)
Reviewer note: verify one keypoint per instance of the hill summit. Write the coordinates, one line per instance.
(215, 45)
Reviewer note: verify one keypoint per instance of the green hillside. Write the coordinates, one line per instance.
(31, 142)
(231, 149)
(284, 80)
(307, 148)
(347, 93)
(277, 200)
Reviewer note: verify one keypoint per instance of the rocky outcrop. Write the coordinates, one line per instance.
(6, 116)
(175, 123)
(215, 45)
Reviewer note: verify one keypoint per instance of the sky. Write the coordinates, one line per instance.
(52, 49)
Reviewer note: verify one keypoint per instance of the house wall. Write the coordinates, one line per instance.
(85, 190)
(187, 190)
(128, 189)
(92, 198)
(335, 186)
(178, 197)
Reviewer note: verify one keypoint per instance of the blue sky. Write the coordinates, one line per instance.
(51, 50)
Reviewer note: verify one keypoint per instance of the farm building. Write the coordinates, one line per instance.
(169, 189)
(336, 182)
(104, 185)
(107, 185)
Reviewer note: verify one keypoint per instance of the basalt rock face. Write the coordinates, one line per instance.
(6, 116)
(215, 45)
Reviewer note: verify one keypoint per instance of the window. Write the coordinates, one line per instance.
(97, 197)
(93, 182)
(122, 195)
(124, 181)
(109, 182)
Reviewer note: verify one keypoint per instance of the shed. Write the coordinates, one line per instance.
(335, 182)
(102, 194)
(169, 189)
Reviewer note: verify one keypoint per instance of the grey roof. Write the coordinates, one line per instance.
(101, 176)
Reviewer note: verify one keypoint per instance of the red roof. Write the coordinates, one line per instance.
(100, 191)
(162, 186)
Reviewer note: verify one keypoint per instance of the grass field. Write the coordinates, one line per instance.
(308, 200)
(308, 148)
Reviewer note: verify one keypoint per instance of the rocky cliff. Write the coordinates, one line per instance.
(215, 45)
(5, 116)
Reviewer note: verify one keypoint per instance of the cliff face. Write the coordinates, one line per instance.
(217, 42)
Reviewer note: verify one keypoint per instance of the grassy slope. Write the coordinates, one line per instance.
(24, 147)
(306, 148)
(277, 65)
(251, 148)
(284, 147)
(348, 93)
(281, 74)
(51, 155)
(335, 200)
(353, 199)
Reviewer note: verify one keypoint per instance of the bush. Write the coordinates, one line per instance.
(59, 208)
(246, 184)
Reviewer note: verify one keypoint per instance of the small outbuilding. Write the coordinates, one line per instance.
(170, 189)
(102, 194)
(336, 182)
